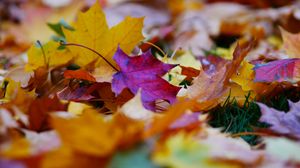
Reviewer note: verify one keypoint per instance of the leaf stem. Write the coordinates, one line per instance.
(46, 62)
(88, 48)
(155, 46)
(249, 133)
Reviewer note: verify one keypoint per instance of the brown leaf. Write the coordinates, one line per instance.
(39, 110)
(213, 86)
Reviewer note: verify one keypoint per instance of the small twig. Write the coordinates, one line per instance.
(46, 62)
(249, 133)
(155, 46)
(79, 45)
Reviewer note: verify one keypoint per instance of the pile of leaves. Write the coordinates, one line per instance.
(149, 84)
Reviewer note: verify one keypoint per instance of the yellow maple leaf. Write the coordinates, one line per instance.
(243, 83)
(244, 77)
(291, 43)
(51, 57)
(88, 134)
(92, 31)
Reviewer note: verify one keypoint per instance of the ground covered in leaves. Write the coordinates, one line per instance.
(149, 84)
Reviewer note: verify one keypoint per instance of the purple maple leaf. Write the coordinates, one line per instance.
(280, 70)
(143, 71)
(281, 122)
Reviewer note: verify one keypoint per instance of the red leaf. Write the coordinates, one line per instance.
(96, 92)
(144, 71)
(280, 70)
(79, 74)
(189, 72)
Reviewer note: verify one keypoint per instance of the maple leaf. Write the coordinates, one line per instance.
(245, 79)
(280, 70)
(47, 55)
(45, 81)
(245, 76)
(281, 122)
(90, 134)
(143, 71)
(212, 86)
(92, 31)
(94, 135)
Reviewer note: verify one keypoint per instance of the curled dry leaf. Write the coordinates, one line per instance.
(212, 86)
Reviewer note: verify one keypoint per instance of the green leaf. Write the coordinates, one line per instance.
(57, 27)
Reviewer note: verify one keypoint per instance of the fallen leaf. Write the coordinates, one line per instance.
(67, 157)
(184, 151)
(279, 71)
(134, 109)
(144, 72)
(281, 122)
(18, 148)
(187, 120)
(205, 87)
(79, 74)
(291, 43)
(172, 115)
(245, 78)
(39, 110)
(211, 64)
(47, 55)
(212, 86)
(233, 150)
(96, 92)
(90, 135)
(91, 30)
